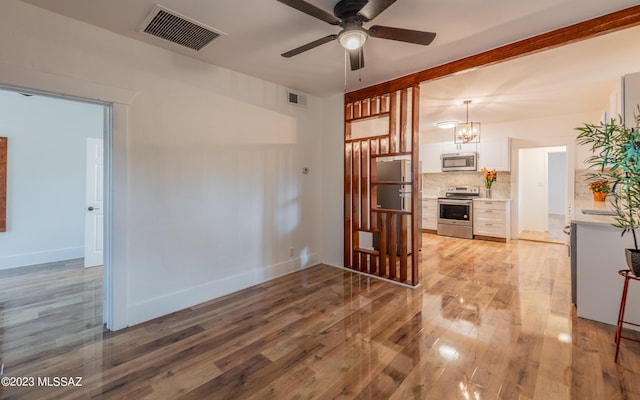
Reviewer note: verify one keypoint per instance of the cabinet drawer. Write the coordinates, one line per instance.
(490, 229)
(489, 215)
(500, 206)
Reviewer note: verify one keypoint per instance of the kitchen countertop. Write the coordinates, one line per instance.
(491, 199)
(580, 218)
(430, 197)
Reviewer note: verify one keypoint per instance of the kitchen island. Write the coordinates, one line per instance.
(598, 250)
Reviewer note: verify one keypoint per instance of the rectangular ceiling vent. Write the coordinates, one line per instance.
(169, 25)
(297, 99)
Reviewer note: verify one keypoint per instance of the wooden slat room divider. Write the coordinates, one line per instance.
(383, 242)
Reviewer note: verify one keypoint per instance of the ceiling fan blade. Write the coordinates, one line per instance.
(374, 7)
(309, 46)
(402, 35)
(356, 57)
(312, 10)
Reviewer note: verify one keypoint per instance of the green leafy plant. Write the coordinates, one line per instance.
(616, 158)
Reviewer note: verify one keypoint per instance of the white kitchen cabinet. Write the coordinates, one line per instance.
(491, 219)
(630, 98)
(450, 147)
(430, 157)
(495, 154)
(430, 214)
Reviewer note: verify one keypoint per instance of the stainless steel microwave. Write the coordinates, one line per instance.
(459, 162)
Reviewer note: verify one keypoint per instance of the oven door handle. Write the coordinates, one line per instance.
(456, 202)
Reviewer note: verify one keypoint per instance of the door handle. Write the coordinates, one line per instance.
(91, 208)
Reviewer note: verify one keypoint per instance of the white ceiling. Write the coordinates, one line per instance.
(258, 31)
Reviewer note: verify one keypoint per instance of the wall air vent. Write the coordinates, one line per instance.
(169, 25)
(297, 99)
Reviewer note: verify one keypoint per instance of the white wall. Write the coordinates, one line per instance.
(211, 198)
(532, 189)
(535, 188)
(556, 182)
(45, 177)
(332, 181)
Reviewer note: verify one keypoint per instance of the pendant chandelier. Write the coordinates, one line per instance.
(468, 132)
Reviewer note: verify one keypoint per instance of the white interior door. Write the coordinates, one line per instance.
(93, 232)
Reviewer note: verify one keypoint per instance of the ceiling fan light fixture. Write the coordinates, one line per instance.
(352, 39)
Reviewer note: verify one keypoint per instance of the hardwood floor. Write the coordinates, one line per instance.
(489, 321)
(553, 234)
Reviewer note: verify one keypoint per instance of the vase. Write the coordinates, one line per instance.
(487, 193)
(633, 260)
(599, 196)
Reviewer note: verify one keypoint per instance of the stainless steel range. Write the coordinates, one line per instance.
(455, 211)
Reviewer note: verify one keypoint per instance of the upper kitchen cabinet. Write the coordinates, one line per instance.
(495, 154)
(430, 157)
(624, 100)
(630, 98)
(450, 147)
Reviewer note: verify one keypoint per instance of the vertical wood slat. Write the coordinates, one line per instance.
(373, 264)
(403, 248)
(3, 183)
(403, 120)
(384, 145)
(384, 103)
(382, 243)
(392, 124)
(373, 193)
(416, 234)
(365, 162)
(364, 265)
(365, 108)
(355, 203)
(375, 105)
(348, 245)
(356, 109)
(393, 244)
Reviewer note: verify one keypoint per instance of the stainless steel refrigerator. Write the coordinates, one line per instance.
(394, 196)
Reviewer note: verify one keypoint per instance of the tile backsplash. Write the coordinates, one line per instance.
(434, 184)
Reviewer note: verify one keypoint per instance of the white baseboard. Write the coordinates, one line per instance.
(178, 300)
(40, 257)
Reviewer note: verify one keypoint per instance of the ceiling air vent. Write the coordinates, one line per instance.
(297, 99)
(169, 25)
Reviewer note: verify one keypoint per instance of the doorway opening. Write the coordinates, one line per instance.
(542, 194)
(49, 142)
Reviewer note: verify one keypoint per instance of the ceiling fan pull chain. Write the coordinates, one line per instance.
(360, 64)
(345, 70)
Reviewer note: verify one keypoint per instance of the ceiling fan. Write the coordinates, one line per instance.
(350, 15)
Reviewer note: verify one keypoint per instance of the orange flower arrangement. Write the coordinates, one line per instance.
(489, 177)
(600, 187)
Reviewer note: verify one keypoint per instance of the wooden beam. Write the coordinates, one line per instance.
(627, 18)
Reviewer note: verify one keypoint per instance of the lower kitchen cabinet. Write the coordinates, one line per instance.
(430, 214)
(491, 219)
